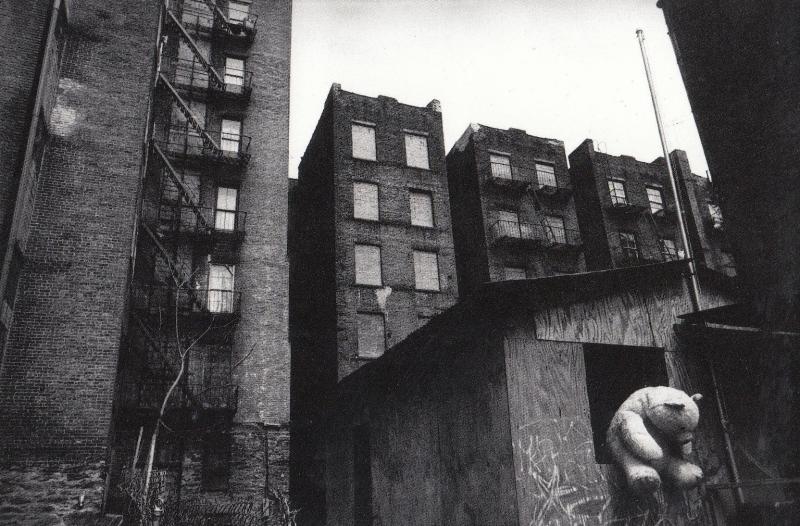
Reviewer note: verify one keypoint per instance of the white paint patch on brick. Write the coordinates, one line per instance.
(63, 120)
(381, 295)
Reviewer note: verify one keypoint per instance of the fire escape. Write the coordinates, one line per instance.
(182, 290)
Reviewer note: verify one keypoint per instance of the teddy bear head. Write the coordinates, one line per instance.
(673, 412)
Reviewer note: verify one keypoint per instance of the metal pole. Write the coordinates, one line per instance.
(695, 285)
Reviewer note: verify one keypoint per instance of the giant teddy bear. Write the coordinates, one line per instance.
(650, 438)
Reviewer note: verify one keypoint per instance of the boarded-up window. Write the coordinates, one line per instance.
(514, 273)
(501, 166)
(231, 135)
(613, 372)
(426, 270)
(417, 151)
(421, 209)
(225, 213)
(363, 142)
(371, 335)
(365, 201)
(368, 265)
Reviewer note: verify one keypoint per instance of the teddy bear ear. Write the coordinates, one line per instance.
(697, 397)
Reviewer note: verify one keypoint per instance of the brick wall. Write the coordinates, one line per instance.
(57, 379)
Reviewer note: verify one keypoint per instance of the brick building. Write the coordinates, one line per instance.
(512, 206)
(627, 216)
(371, 248)
(152, 133)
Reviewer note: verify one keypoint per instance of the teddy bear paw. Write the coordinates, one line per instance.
(689, 475)
(643, 479)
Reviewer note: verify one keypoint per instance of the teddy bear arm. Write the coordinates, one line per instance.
(637, 438)
(640, 477)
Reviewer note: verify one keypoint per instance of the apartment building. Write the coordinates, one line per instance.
(512, 205)
(371, 247)
(627, 213)
(152, 217)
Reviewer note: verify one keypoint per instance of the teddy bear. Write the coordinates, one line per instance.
(651, 435)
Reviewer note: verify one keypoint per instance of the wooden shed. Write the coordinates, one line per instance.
(495, 412)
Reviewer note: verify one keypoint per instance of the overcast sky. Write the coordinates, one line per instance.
(563, 69)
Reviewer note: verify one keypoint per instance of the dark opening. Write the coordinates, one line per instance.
(613, 372)
(216, 461)
(362, 477)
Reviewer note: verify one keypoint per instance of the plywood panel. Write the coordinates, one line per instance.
(475, 440)
(621, 319)
(558, 481)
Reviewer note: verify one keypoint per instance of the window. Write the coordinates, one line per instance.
(365, 201)
(234, 73)
(216, 461)
(546, 175)
(231, 135)
(613, 372)
(417, 151)
(220, 288)
(501, 166)
(426, 270)
(363, 142)
(237, 12)
(368, 265)
(628, 245)
(421, 208)
(362, 477)
(514, 273)
(656, 199)
(555, 229)
(225, 212)
(668, 250)
(508, 223)
(716, 215)
(371, 334)
(617, 190)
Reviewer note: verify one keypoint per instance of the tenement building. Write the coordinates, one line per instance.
(512, 206)
(627, 213)
(145, 209)
(371, 246)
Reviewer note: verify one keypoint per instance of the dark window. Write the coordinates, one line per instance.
(613, 373)
(362, 477)
(629, 246)
(216, 461)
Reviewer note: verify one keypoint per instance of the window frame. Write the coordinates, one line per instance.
(613, 191)
(356, 266)
(223, 139)
(542, 163)
(660, 203)
(552, 232)
(500, 174)
(424, 137)
(226, 212)
(429, 196)
(377, 201)
(667, 253)
(374, 149)
(417, 275)
(223, 297)
(629, 245)
(240, 77)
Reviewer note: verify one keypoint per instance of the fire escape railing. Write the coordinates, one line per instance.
(208, 142)
(213, 76)
(185, 195)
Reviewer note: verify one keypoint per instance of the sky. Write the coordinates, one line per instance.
(562, 69)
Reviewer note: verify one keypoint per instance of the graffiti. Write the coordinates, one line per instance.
(565, 486)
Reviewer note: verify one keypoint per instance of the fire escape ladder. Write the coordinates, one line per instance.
(182, 189)
(652, 222)
(219, 16)
(546, 230)
(176, 271)
(213, 76)
(208, 142)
